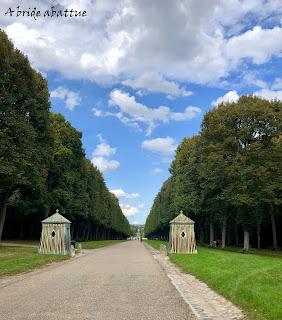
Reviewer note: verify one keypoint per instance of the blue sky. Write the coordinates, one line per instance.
(137, 77)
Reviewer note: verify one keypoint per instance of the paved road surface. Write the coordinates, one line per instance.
(119, 282)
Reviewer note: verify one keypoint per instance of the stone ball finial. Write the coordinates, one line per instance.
(57, 211)
(181, 211)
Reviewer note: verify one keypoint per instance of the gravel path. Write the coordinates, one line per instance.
(119, 282)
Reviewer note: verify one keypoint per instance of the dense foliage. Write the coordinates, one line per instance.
(228, 178)
(42, 163)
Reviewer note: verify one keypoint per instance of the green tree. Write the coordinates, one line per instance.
(24, 134)
(244, 157)
(157, 222)
(186, 173)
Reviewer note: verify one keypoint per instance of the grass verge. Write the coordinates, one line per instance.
(156, 243)
(18, 243)
(18, 259)
(98, 244)
(252, 281)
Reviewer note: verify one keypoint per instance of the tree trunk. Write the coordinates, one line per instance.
(21, 230)
(76, 232)
(72, 230)
(84, 231)
(3, 211)
(31, 231)
(274, 236)
(211, 234)
(88, 232)
(258, 236)
(236, 235)
(258, 231)
(246, 241)
(46, 212)
(223, 236)
(201, 236)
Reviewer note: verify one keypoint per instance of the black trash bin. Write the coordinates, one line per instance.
(73, 242)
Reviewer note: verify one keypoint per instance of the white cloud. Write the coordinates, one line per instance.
(257, 44)
(71, 98)
(104, 150)
(120, 116)
(193, 41)
(277, 84)
(229, 97)
(101, 154)
(160, 145)
(133, 112)
(155, 171)
(269, 94)
(135, 222)
(97, 112)
(250, 79)
(153, 82)
(141, 206)
(266, 93)
(119, 193)
(129, 210)
(104, 164)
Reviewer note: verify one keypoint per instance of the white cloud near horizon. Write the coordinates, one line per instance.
(229, 97)
(71, 98)
(119, 193)
(272, 92)
(129, 210)
(269, 94)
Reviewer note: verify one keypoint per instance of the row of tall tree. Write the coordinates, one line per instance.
(228, 178)
(42, 163)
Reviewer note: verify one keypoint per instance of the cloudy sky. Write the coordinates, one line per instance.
(137, 76)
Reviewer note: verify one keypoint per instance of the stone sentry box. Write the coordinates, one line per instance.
(55, 235)
(182, 235)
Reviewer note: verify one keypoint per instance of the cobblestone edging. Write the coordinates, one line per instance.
(205, 303)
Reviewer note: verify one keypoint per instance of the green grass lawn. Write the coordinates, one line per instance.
(21, 242)
(260, 252)
(17, 259)
(156, 243)
(98, 244)
(253, 281)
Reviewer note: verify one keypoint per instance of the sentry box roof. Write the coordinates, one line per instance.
(182, 219)
(56, 218)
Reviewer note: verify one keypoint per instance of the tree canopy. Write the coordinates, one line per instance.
(228, 178)
(42, 162)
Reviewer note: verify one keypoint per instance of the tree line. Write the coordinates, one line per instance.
(228, 178)
(42, 163)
